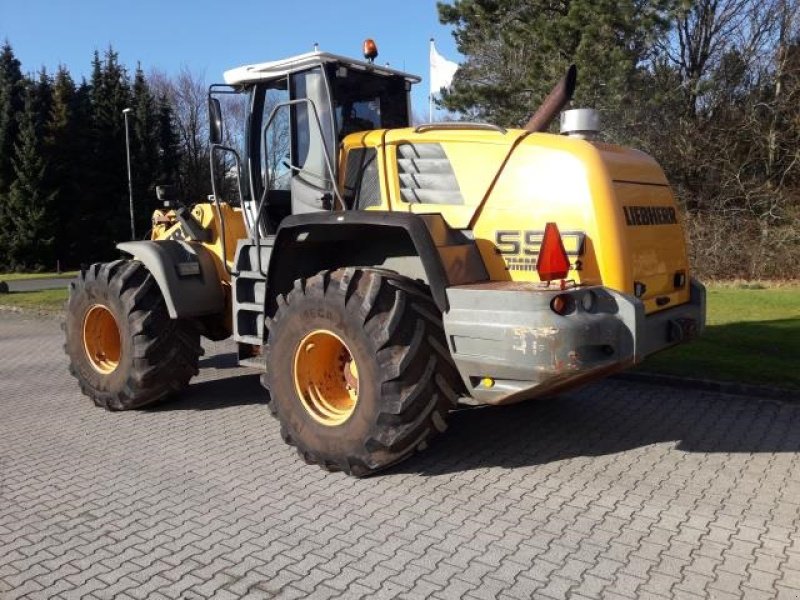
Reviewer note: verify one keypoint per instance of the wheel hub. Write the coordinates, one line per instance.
(326, 377)
(101, 339)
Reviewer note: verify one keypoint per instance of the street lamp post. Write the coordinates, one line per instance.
(126, 112)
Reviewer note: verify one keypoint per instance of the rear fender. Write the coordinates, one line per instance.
(185, 273)
(420, 247)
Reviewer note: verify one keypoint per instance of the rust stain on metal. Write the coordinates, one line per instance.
(535, 340)
(574, 360)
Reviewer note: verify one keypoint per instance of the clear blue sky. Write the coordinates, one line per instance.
(210, 37)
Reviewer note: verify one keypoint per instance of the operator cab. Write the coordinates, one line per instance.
(299, 111)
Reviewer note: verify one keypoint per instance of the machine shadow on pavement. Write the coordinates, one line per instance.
(225, 360)
(217, 394)
(603, 419)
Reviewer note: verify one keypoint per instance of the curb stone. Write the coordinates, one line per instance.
(724, 387)
(33, 312)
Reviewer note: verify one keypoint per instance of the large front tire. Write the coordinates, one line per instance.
(358, 369)
(124, 349)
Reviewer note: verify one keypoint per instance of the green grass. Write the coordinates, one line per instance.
(752, 336)
(18, 276)
(44, 300)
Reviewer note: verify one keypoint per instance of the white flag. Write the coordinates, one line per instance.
(442, 71)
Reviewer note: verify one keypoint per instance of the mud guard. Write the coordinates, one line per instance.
(420, 247)
(185, 273)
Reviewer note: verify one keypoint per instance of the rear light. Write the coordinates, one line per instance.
(679, 280)
(588, 301)
(553, 262)
(563, 304)
(639, 289)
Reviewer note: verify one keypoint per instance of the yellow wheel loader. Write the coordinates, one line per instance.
(380, 273)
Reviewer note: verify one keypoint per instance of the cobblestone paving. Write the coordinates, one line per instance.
(614, 491)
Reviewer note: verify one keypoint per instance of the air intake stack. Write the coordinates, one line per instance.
(582, 123)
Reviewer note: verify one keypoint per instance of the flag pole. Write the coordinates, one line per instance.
(430, 85)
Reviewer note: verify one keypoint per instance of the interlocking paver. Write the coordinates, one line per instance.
(613, 491)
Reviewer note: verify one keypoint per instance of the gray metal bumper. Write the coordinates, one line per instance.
(509, 345)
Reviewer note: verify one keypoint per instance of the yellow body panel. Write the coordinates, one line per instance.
(608, 202)
(582, 186)
(166, 227)
(475, 157)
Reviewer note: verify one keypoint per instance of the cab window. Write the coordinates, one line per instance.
(365, 101)
(361, 183)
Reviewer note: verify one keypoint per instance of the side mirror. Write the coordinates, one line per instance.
(215, 121)
(167, 195)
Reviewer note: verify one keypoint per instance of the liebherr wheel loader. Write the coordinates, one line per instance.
(380, 273)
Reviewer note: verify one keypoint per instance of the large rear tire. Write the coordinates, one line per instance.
(358, 369)
(124, 349)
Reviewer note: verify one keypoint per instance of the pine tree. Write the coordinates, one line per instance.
(11, 86)
(106, 198)
(168, 144)
(64, 149)
(144, 150)
(515, 51)
(28, 213)
(10, 104)
(43, 99)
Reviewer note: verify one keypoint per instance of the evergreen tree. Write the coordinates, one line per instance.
(43, 99)
(144, 150)
(28, 216)
(77, 205)
(106, 200)
(168, 144)
(515, 51)
(64, 148)
(11, 87)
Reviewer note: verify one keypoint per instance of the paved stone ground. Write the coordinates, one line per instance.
(615, 491)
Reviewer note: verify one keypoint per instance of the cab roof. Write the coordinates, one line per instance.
(279, 68)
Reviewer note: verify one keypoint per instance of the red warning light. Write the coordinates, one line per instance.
(553, 262)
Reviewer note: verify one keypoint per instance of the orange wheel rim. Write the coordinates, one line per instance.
(101, 339)
(326, 377)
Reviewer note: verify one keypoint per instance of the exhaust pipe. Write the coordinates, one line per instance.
(556, 100)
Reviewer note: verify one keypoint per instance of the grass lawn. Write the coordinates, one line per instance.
(18, 276)
(752, 336)
(46, 300)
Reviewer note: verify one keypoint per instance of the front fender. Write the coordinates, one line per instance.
(185, 273)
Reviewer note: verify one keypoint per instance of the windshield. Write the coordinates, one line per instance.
(364, 101)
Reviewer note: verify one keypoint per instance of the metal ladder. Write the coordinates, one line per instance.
(249, 288)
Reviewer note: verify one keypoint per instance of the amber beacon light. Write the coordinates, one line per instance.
(370, 50)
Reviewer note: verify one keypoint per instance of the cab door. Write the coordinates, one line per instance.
(312, 143)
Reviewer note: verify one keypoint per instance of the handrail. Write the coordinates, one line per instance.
(458, 126)
(220, 218)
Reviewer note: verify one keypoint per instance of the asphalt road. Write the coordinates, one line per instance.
(618, 490)
(34, 285)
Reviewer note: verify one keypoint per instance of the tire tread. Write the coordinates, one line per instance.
(420, 382)
(166, 351)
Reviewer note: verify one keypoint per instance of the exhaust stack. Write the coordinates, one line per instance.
(555, 102)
